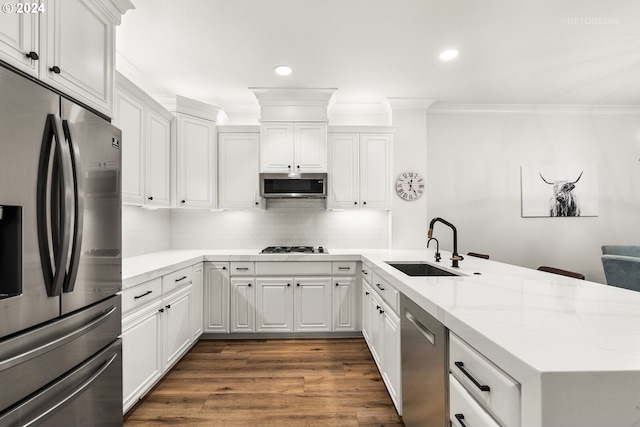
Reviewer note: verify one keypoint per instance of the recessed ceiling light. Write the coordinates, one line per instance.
(283, 70)
(449, 54)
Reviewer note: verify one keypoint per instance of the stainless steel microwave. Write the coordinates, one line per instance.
(284, 186)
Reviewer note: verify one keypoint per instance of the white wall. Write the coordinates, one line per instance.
(409, 219)
(473, 180)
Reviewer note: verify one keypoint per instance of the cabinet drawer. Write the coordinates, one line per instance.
(464, 410)
(294, 268)
(141, 294)
(242, 268)
(503, 397)
(367, 273)
(386, 291)
(343, 268)
(173, 281)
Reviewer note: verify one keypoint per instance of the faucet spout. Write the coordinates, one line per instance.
(455, 257)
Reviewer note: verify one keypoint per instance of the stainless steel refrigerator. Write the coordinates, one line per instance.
(60, 260)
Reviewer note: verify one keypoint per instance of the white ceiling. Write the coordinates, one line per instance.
(511, 51)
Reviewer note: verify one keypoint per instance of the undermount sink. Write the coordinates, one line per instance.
(420, 269)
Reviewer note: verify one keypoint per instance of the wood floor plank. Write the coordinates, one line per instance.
(288, 382)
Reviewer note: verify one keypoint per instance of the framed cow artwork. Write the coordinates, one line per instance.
(559, 191)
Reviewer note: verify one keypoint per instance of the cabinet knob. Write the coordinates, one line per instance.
(224, 268)
(257, 203)
(289, 166)
(381, 311)
(183, 201)
(366, 293)
(355, 203)
(249, 284)
(33, 55)
(168, 306)
(298, 166)
(297, 284)
(161, 310)
(288, 284)
(150, 197)
(364, 203)
(55, 69)
(337, 284)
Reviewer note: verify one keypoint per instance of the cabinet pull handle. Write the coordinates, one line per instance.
(344, 268)
(242, 268)
(142, 295)
(460, 419)
(168, 306)
(55, 69)
(381, 311)
(482, 387)
(379, 286)
(377, 307)
(161, 310)
(364, 272)
(33, 55)
(181, 279)
(366, 293)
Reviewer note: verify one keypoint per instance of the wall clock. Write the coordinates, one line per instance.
(410, 185)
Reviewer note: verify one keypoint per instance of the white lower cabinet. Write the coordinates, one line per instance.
(274, 304)
(381, 328)
(216, 297)
(243, 304)
(312, 304)
(141, 353)
(162, 319)
(345, 309)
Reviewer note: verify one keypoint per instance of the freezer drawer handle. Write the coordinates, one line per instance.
(46, 413)
(460, 419)
(23, 357)
(421, 328)
(142, 295)
(482, 387)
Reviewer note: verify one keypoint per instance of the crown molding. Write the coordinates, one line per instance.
(558, 109)
(410, 103)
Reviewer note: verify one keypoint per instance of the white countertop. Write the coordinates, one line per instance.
(526, 321)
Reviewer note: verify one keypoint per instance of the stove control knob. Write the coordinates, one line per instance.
(320, 249)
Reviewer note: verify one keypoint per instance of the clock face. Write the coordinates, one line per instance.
(410, 185)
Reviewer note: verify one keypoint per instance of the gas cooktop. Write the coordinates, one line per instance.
(294, 249)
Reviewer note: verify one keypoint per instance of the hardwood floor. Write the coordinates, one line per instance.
(301, 382)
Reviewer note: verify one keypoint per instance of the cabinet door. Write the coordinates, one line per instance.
(177, 325)
(312, 304)
(375, 331)
(344, 188)
(216, 298)
(197, 302)
(391, 361)
(243, 304)
(77, 41)
(310, 147)
(375, 171)
(238, 170)
(19, 37)
(196, 159)
(366, 313)
(276, 147)
(141, 355)
(129, 117)
(274, 305)
(157, 165)
(344, 304)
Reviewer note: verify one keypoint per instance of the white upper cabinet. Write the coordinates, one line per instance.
(68, 44)
(19, 41)
(375, 171)
(293, 147)
(360, 171)
(146, 145)
(195, 162)
(238, 182)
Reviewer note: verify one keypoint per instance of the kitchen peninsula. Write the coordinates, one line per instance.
(572, 347)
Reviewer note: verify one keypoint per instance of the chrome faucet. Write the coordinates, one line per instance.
(437, 256)
(455, 257)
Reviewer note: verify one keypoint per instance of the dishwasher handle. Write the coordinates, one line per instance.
(420, 327)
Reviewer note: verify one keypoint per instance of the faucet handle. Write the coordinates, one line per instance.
(457, 258)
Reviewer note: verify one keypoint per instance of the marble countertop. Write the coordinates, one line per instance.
(526, 321)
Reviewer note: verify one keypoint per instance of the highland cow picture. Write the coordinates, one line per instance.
(559, 191)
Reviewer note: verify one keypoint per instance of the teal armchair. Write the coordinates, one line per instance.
(625, 250)
(622, 271)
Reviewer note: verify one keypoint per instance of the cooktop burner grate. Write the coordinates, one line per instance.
(293, 249)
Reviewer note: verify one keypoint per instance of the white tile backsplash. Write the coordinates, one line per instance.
(283, 222)
(145, 231)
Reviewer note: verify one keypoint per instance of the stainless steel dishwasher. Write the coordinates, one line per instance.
(425, 379)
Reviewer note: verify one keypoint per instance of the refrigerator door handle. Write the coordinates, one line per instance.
(54, 198)
(78, 206)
